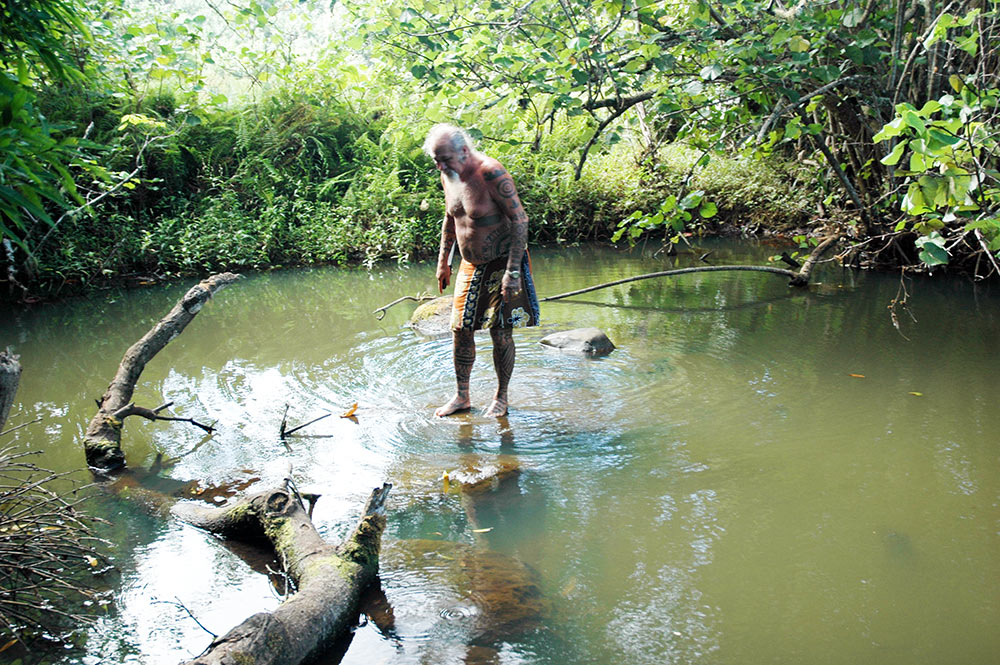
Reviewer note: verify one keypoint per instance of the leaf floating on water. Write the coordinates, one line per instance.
(92, 561)
(486, 530)
(8, 645)
(350, 411)
(857, 376)
(916, 394)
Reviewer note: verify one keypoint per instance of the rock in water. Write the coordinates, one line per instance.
(589, 341)
(448, 592)
(433, 318)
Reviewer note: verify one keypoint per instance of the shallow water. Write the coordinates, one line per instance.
(757, 474)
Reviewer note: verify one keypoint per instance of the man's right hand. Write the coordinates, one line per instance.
(444, 277)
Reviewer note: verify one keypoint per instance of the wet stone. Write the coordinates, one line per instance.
(484, 476)
(433, 318)
(587, 341)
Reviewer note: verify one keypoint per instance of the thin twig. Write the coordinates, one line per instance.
(285, 433)
(176, 602)
(17, 427)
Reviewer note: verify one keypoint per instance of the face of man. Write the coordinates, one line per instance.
(448, 160)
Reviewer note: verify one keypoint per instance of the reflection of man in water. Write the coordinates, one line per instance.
(494, 287)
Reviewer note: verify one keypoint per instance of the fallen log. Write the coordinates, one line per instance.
(10, 376)
(102, 440)
(329, 579)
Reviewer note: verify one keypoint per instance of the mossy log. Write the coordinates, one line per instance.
(10, 376)
(329, 579)
(102, 441)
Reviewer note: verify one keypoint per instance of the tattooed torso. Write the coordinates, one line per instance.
(487, 213)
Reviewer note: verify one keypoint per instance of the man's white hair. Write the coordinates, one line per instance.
(458, 137)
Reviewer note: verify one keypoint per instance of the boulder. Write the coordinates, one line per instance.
(433, 318)
(588, 341)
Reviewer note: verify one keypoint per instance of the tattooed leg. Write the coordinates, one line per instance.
(464, 344)
(503, 363)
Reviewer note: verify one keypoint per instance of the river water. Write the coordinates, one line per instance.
(758, 474)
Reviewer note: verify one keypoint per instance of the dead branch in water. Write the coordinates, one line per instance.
(288, 432)
(799, 278)
(670, 273)
(380, 312)
(102, 441)
(10, 376)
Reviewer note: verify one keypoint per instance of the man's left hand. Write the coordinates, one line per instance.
(510, 287)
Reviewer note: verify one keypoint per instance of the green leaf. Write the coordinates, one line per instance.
(970, 44)
(798, 44)
(854, 54)
(853, 18)
(711, 72)
(913, 120)
(889, 130)
(708, 210)
(577, 43)
(893, 157)
(932, 250)
(692, 199)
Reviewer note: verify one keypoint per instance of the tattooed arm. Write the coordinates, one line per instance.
(447, 241)
(503, 191)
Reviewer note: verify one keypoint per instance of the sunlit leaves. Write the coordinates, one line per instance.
(932, 249)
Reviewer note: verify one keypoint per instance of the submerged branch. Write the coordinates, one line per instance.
(680, 271)
(380, 312)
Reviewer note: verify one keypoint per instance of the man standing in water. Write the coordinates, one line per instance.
(494, 288)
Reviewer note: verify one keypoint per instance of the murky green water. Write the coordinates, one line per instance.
(721, 489)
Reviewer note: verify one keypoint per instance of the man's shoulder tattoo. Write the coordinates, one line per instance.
(493, 174)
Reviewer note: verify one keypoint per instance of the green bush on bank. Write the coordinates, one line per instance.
(307, 180)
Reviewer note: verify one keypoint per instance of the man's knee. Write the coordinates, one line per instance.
(501, 335)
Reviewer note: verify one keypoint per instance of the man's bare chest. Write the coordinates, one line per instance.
(466, 203)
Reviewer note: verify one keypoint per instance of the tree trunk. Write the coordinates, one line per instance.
(10, 376)
(329, 579)
(102, 441)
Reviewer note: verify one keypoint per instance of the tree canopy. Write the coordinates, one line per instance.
(284, 111)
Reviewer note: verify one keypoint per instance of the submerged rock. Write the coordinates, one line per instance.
(457, 593)
(433, 318)
(479, 476)
(588, 341)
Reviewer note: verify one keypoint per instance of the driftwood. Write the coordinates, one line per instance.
(10, 376)
(329, 579)
(102, 441)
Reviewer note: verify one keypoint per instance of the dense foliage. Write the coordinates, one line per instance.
(145, 142)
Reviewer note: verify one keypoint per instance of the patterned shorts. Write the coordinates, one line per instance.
(479, 304)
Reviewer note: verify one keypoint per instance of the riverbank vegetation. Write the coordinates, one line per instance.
(143, 141)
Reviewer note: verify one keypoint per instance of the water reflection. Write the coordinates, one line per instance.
(756, 474)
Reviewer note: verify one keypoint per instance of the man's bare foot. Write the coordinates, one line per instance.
(454, 406)
(497, 409)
